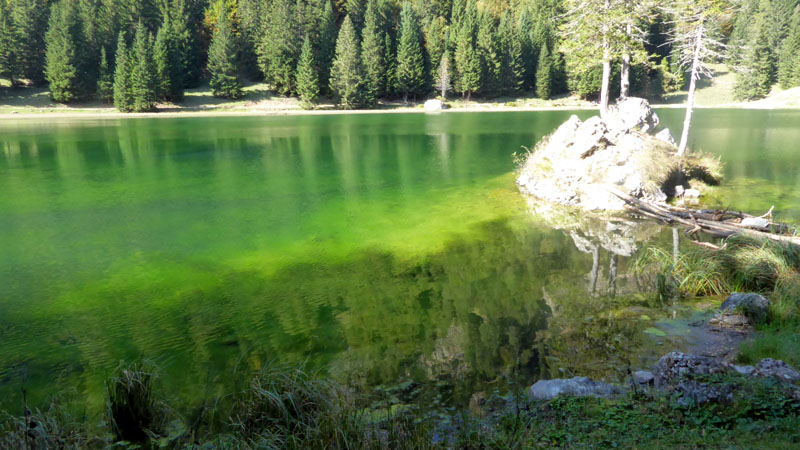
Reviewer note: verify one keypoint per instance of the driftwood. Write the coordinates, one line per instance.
(718, 223)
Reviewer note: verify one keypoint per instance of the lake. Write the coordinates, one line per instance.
(379, 248)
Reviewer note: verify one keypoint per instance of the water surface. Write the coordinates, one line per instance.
(377, 247)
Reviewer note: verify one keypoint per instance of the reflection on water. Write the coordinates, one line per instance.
(378, 248)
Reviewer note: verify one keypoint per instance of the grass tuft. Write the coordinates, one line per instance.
(131, 406)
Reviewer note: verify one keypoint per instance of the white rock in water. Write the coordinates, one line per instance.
(434, 105)
(666, 136)
(755, 222)
(578, 387)
(691, 193)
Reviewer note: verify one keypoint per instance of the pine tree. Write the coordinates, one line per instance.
(512, 70)
(489, 55)
(143, 73)
(62, 64)
(8, 66)
(788, 67)
(756, 77)
(436, 45)
(346, 76)
(372, 54)
(467, 60)
(29, 24)
(222, 61)
(278, 51)
(410, 62)
(167, 57)
(123, 91)
(544, 74)
(105, 80)
(326, 45)
(307, 80)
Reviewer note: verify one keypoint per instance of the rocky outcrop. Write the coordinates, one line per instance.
(581, 159)
(577, 387)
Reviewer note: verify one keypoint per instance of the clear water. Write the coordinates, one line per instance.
(375, 247)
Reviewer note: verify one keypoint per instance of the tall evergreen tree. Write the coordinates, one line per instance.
(544, 74)
(326, 45)
(346, 75)
(443, 75)
(278, 51)
(757, 75)
(307, 79)
(123, 91)
(489, 54)
(29, 23)
(372, 54)
(512, 68)
(789, 59)
(105, 80)
(467, 59)
(62, 57)
(410, 62)
(435, 45)
(222, 61)
(8, 65)
(167, 57)
(143, 73)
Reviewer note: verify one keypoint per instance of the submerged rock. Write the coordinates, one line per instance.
(578, 387)
(751, 306)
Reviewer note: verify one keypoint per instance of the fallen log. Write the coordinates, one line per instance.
(718, 223)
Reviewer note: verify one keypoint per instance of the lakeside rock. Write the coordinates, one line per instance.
(434, 105)
(581, 160)
(753, 307)
(578, 387)
(675, 367)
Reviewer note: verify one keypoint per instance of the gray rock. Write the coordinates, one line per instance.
(578, 387)
(675, 367)
(693, 393)
(769, 367)
(666, 136)
(744, 370)
(729, 320)
(755, 222)
(643, 378)
(631, 113)
(752, 306)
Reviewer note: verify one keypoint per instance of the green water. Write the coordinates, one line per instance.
(377, 248)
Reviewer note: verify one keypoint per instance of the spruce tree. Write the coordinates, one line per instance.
(8, 66)
(62, 64)
(105, 80)
(307, 80)
(435, 45)
(278, 51)
(488, 48)
(788, 68)
(544, 74)
(755, 78)
(29, 24)
(467, 60)
(123, 91)
(372, 54)
(346, 75)
(143, 74)
(167, 57)
(326, 45)
(410, 62)
(222, 61)
(512, 70)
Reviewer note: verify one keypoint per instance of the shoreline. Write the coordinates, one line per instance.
(111, 113)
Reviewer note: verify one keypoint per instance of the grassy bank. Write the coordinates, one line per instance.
(286, 408)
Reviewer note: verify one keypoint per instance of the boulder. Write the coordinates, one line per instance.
(578, 387)
(582, 161)
(693, 393)
(665, 136)
(434, 105)
(752, 306)
(675, 367)
(643, 378)
(769, 367)
(632, 113)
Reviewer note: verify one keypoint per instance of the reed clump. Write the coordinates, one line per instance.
(131, 409)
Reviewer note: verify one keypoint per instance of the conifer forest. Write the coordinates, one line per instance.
(138, 53)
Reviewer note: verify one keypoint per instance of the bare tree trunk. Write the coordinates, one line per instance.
(625, 72)
(687, 122)
(606, 69)
(613, 263)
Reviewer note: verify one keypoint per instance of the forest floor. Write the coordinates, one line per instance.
(260, 100)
